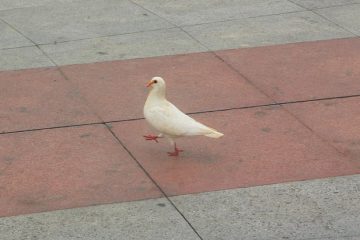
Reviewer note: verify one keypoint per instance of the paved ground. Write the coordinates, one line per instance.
(280, 78)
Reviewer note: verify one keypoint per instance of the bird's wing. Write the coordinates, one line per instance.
(169, 120)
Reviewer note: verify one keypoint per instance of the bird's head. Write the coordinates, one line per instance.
(156, 83)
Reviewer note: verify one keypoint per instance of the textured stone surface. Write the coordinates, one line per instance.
(335, 120)
(40, 98)
(10, 4)
(148, 220)
(98, 24)
(301, 71)
(324, 209)
(9, 38)
(261, 146)
(128, 46)
(67, 168)
(64, 21)
(21, 58)
(323, 3)
(346, 16)
(267, 30)
(203, 11)
(195, 82)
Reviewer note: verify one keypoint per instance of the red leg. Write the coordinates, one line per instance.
(176, 152)
(151, 137)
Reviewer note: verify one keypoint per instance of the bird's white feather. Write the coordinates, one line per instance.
(169, 120)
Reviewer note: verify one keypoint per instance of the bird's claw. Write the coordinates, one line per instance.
(175, 153)
(151, 137)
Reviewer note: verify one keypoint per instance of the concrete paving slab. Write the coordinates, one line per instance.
(9, 38)
(261, 146)
(312, 4)
(324, 209)
(10, 4)
(82, 166)
(60, 22)
(21, 58)
(148, 220)
(335, 120)
(342, 238)
(267, 30)
(66, 168)
(137, 45)
(196, 82)
(196, 12)
(301, 71)
(347, 16)
(40, 98)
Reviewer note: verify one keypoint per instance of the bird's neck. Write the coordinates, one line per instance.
(157, 94)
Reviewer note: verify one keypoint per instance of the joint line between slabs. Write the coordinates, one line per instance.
(49, 128)
(190, 113)
(89, 38)
(93, 111)
(327, 19)
(264, 93)
(59, 69)
(144, 31)
(330, 237)
(153, 181)
(336, 24)
(35, 44)
(313, 132)
(227, 64)
(243, 18)
(104, 36)
(332, 6)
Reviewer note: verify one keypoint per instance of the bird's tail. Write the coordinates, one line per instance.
(214, 134)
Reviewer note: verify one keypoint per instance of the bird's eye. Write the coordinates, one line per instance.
(155, 81)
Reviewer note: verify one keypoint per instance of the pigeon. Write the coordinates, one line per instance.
(167, 119)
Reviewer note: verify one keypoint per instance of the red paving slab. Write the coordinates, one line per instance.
(66, 168)
(117, 90)
(301, 71)
(261, 146)
(72, 167)
(337, 121)
(39, 98)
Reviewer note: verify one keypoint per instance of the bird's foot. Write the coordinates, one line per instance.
(151, 137)
(175, 153)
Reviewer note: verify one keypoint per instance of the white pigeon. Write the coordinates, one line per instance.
(167, 119)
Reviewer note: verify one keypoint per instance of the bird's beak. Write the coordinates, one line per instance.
(149, 83)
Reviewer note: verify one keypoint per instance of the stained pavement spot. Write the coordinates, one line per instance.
(260, 113)
(8, 159)
(85, 135)
(23, 110)
(266, 130)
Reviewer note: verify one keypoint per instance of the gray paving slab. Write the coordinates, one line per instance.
(190, 12)
(343, 238)
(312, 4)
(141, 220)
(267, 30)
(81, 19)
(11, 4)
(138, 45)
(347, 16)
(22, 58)
(315, 209)
(9, 38)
